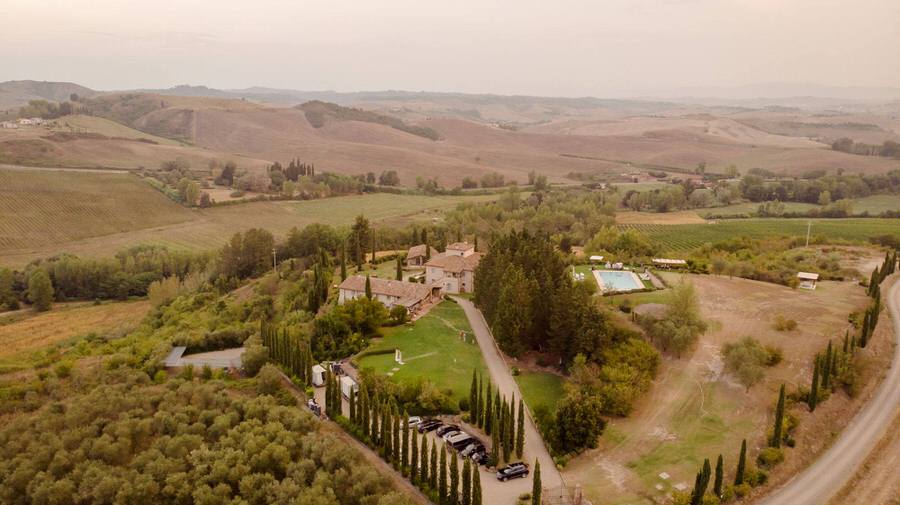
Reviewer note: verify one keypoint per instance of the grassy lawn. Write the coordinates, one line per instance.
(541, 388)
(432, 349)
(876, 204)
(751, 208)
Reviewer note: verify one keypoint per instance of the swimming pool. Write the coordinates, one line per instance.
(617, 280)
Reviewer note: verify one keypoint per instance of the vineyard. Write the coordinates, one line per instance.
(49, 207)
(683, 237)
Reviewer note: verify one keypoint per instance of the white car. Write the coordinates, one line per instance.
(450, 434)
(414, 421)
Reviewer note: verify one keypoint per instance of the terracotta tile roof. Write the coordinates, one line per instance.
(419, 250)
(460, 246)
(399, 289)
(455, 264)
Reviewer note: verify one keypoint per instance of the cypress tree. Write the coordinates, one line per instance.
(476, 485)
(473, 398)
(368, 288)
(395, 445)
(520, 430)
(779, 421)
(343, 260)
(701, 483)
(698, 481)
(720, 477)
(413, 469)
(404, 443)
(477, 410)
(846, 342)
(742, 464)
(401, 438)
(495, 444)
(536, 488)
(443, 498)
(424, 474)
(814, 388)
(466, 492)
(488, 413)
(399, 268)
(385, 436)
(433, 475)
(364, 411)
(453, 493)
(373, 248)
(352, 408)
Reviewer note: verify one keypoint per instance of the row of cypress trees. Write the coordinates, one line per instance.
(377, 422)
(705, 475)
(492, 412)
(290, 350)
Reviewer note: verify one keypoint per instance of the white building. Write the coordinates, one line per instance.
(454, 269)
(411, 295)
(8, 125)
(808, 280)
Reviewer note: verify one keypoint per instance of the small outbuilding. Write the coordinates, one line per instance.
(348, 386)
(669, 263)
(596, 258)
(807, 280)
(318, 375)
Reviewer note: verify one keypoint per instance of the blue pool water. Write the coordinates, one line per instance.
(619, 281)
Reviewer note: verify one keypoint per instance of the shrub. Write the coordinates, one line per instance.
(160, 376)
(254, 357)
(769, 457)
(206, 373)
(515, 371)
(742, 490)
(784, 324)
(63, 370)
(268, 380)
(398, 315)
(187, 373)
(464, 404)
(775, 355)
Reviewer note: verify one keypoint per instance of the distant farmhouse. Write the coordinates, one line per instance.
(454, 269)
(391, 293)
(416, 256)
(8, 125)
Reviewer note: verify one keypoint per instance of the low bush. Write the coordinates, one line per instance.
(769, 457)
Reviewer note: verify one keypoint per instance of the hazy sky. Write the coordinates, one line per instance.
(541, 47)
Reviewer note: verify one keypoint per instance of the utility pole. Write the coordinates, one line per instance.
(808, 226)
(274, 261)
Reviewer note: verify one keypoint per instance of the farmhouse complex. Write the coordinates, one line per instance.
(454, 269)
(391, 293)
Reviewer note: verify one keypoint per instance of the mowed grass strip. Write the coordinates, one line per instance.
(689, 236)
(432, 350)
(541, 389)
(36, 331)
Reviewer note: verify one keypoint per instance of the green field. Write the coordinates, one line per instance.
(540, 389)
(48, 212)
(432, 349)
(876, 204)
(683, 237)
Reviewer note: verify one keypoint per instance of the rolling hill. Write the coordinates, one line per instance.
(18, 93)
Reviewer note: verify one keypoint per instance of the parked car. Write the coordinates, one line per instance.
(461, 441)
(480, 457)
(414, 421)
(450, 434)
(474, 446)
(429, 426)
(313, 406)
(512, 471)
(450, 427)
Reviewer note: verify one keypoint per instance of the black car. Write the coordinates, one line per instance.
(512, 471)
(446, 429)
(480, 457)
(429, 426)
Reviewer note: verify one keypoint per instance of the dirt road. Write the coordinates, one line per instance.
(821, 481)
(502, 378)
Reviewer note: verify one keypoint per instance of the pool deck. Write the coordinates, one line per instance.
(604, 289)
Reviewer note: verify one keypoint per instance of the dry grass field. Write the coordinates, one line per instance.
(695, 409)
(29, 331)
(99, 214)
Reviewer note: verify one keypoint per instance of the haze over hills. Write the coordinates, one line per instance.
(448, 136)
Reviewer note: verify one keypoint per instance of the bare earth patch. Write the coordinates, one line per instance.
(695, 409)
(678, 217)
(47, 328)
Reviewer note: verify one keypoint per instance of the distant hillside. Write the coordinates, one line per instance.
(320, 113)
(18, 93)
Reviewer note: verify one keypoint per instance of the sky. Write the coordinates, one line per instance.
(534, 47)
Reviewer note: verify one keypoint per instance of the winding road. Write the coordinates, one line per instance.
(824, 478)
(503, 379)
